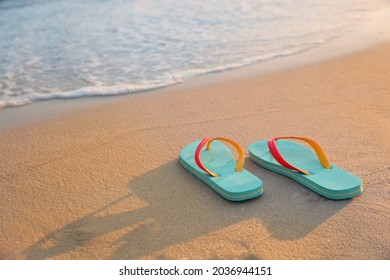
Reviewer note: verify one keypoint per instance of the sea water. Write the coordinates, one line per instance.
(74, 48)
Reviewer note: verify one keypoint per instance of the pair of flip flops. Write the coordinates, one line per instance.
(212, 162)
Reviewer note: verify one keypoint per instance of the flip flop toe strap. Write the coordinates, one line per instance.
(207, 142)
(279, 158)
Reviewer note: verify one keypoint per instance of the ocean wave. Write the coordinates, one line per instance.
(66, 49)
(122, 89)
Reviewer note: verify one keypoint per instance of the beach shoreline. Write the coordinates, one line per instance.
(373, 33)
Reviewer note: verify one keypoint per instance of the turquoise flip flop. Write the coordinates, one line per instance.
(311, 169)
(228, 178)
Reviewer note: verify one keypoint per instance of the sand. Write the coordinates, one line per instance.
(102, 180)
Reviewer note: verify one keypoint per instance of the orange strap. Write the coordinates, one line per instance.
(208, 141)
(278, 157)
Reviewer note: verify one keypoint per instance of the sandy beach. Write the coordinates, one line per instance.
(102, 180)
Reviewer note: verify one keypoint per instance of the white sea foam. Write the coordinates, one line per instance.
(69, 49)
(102, 90)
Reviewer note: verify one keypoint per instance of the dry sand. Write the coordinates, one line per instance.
(103, 181)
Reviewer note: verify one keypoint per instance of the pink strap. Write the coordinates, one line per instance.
(279, 158)
(197, 156)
